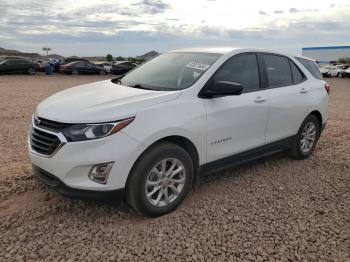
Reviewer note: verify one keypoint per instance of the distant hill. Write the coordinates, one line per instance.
(10, 52)
(55, 56)
(149, 55)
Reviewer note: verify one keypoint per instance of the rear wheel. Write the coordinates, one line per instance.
(102, 72)
(31, 71)
(75, 72)
(306, 139)
(160, 180)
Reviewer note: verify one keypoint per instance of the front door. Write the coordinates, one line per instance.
(236, 123)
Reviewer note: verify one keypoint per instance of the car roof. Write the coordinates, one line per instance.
(214, 49)
(228, 49)
(75, 62)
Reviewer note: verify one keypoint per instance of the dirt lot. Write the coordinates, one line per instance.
(274, 209)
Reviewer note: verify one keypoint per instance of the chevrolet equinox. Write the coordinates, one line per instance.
(147, 137)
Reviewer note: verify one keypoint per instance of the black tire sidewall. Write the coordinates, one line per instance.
(310, 118)
(136, 185)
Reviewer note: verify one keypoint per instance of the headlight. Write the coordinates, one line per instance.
(80, 132)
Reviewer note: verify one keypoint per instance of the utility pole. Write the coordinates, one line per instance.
(47, 49)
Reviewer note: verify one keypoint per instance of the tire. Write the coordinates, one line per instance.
(149, 170)
(75, 72)
(31, 71)
(102, 72)
(300, 149)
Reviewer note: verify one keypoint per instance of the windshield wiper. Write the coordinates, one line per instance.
(139, 86)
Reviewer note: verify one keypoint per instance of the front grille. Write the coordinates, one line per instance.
(50, 125)
(43, 143)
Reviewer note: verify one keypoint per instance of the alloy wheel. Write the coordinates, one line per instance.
(165, 182)
(308, 137)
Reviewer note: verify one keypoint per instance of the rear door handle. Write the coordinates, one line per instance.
(303, 90)
(259, 99)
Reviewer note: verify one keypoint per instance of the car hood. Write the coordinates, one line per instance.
(101, 101)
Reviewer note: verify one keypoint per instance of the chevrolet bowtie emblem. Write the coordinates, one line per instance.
(37, 120)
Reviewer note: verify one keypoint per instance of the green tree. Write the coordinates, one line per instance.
(344, 60)
(120, 58)
(132, 59)
(109, 58)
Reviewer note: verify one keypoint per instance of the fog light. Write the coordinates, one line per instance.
(99, 173)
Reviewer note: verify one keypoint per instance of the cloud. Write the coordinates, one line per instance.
(293, 10)
(154, 6)
(133, 27)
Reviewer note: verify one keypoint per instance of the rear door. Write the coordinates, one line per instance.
(236, 123)
(23, 65)
(90, 69)
(80, 67)
(288, 94)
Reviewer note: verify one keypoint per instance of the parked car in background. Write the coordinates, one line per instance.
(121, 68)
(342, 69)
(346, 72)
(17, 65)
(105, 65)
(36, 66)
(10, 57)
(73, 59)
(148, 137)
(330, 71)
(83, 68)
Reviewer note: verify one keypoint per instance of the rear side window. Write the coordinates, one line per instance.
(278, 71)
(311, 67)
(241, 69)
(297, 75)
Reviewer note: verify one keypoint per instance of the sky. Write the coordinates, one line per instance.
(133, 27)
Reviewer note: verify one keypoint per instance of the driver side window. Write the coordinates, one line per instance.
(240, 69)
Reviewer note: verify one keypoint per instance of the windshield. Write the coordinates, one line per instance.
(170, 71)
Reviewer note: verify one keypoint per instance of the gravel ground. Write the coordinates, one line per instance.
(273, 209)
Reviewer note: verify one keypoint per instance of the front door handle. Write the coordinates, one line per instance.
(304, 90)
(259, 99)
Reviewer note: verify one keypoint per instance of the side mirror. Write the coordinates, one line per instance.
(222, 88)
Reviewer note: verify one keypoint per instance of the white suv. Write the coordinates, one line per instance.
(149, 136)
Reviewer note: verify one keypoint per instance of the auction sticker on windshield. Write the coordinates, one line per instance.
(198, 66)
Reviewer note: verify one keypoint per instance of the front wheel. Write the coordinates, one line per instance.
(160, 180)
(306, 138)
(102, 72)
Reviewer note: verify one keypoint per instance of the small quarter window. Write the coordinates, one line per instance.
(311, 67)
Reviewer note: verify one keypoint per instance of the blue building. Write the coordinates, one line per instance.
(325, 54)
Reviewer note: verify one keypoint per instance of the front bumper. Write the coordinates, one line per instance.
(72, 162)
(115, 197)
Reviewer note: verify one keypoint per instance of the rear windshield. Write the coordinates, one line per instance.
(311, 67)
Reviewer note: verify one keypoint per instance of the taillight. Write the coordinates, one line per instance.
(327, 87)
